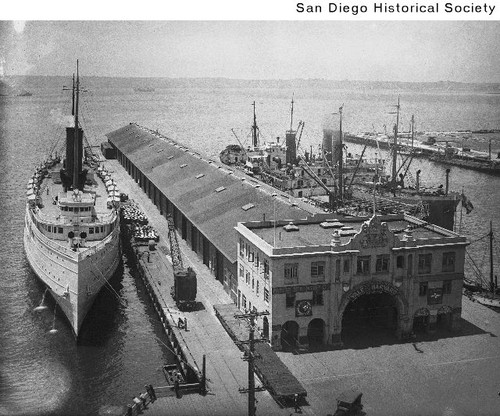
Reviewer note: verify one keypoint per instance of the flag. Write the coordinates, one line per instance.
(467, 204)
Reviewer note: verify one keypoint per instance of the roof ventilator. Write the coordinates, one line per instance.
(247, 207)
(291, 227)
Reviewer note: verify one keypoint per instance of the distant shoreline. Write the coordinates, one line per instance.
(417, 86)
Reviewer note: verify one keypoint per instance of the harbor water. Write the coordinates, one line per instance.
(42, 370)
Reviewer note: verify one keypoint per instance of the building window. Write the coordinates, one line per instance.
(257, 287)
(257, 260)
(242, 272)
(242, 248)
(347, 266)
(424, 263)
(59, 230)
(317, 298)
(244, 301)
(291, 273)
(382, 263)
(266, 295)
(449, 262)
(266, 269)
(250, 256)
(400, 262)
(253, 283)
(247, 278)
(423, 289)
(337, 270)
(447, 287)
(318, 270)
(290, 300)
(91, 230)
(363, 265)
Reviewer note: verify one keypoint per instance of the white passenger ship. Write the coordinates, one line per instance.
(72, 228)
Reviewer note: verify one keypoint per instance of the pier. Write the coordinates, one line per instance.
(226, 371)
(438, 148)
(405, 376)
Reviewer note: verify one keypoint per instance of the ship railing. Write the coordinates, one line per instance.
(48, 242)
(94, 249)
(101, 219)
(105, 218)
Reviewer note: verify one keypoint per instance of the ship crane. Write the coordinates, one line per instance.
(312, 174)
(242, 147)
(185, 287)
(300, 130)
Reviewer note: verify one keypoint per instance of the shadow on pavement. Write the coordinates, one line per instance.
(369, 337)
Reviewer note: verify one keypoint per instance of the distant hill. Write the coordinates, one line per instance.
(31, 82)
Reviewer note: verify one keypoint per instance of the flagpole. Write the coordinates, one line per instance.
(461, 211)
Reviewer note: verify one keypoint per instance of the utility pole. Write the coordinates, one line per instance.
(250, 316)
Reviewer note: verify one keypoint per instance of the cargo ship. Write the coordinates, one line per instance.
(336, 180)
(72, 226)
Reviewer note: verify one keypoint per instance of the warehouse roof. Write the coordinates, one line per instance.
(212, 196)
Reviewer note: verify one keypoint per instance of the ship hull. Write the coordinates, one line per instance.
(73, 278)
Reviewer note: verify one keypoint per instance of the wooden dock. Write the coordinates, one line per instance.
(226, 371)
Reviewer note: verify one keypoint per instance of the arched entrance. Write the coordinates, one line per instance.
(265, 329)
(289, 335)
(315, 332)
(370, 314)
(421, 320)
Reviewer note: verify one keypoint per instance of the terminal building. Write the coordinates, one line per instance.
(328, 281)
(321, 279)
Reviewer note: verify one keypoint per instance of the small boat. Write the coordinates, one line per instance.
(480, 292)
(173, 374)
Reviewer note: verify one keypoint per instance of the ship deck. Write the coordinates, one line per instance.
(51, 188)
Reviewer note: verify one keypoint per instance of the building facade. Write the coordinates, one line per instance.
(323, 280)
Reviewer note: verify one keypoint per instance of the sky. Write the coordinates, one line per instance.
(420, 51)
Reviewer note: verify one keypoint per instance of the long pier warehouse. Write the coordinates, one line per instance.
(207, 202)
(205, 199)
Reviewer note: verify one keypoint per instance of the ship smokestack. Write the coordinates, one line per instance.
(418, 180)
(71, 157)
(447, 181)
(291, 147)
(331, 144)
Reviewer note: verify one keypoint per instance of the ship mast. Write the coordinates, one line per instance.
(394, 150)
(291, 116)
(492, 285)
(341, 167)
(412, 131)
(76, 147)
(255, 138)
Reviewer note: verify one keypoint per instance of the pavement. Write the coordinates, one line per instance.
(451, 375)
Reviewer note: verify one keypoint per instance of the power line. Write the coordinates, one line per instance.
(250, 357)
